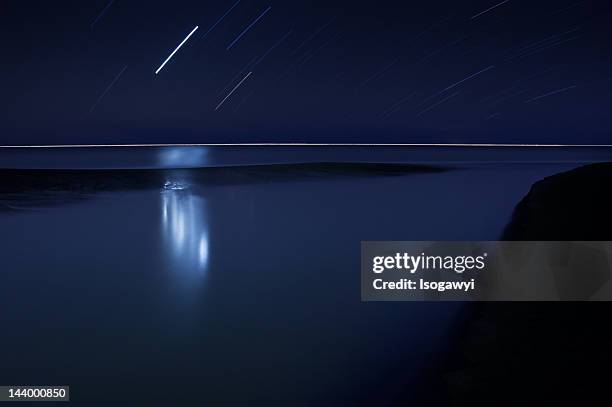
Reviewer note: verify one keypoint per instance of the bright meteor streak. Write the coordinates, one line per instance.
(177, 48)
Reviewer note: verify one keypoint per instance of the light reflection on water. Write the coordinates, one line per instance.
(185, 229)
(272, 313)
(182, 157)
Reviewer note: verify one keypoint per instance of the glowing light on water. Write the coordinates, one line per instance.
(182, 157)
(203, 249)
(184, 228)
(174, 186)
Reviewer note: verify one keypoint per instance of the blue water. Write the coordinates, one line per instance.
(240, 287)
(208, 156)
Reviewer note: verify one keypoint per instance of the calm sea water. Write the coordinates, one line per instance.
(238, 286)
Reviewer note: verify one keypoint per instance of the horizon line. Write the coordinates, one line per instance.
(305, 145)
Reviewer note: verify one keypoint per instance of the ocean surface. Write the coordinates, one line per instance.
(194, 275)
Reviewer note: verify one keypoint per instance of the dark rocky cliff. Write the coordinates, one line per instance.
(575, 205)
(542, 353)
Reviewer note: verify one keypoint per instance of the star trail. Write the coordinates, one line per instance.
(175, 50)
(232, 91)
(325, 71)
(489, 9)
(220, 19)
(554, 92)
(248, 28)
(102, 13)
(108, 88)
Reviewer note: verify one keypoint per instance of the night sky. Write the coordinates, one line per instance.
(492, 71)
